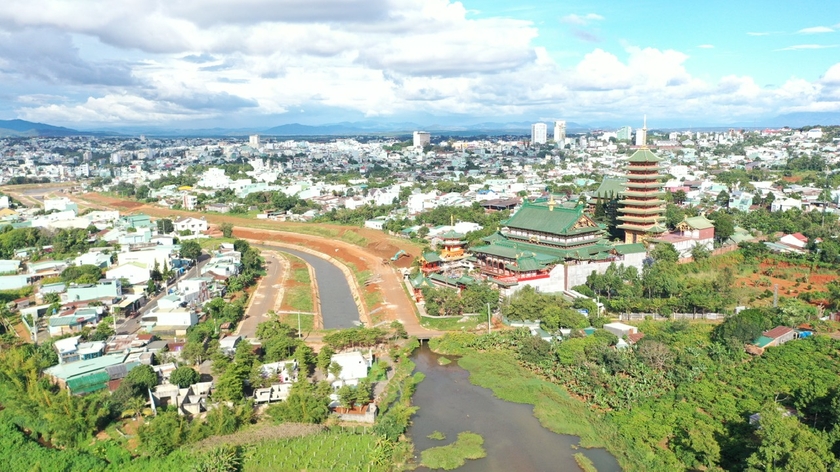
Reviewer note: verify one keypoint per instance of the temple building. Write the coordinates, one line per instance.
(691, 232)
(551, 247)
(642, 207)
(450, 255)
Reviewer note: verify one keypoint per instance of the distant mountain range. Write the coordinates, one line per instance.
(21, 128)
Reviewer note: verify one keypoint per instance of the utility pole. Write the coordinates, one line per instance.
(299, 325)
(488, 318)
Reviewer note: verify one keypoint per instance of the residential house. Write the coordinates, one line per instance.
(98, 259)
(776, 337)
(228, 344)
(90, 375)
(620, 329)
(135, 272)
(73, 320)
(354, 367)
(193, 225)
(105, 288)
(189, 401)
(72, 349)
(179, 317)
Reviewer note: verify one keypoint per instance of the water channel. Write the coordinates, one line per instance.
(513, 437)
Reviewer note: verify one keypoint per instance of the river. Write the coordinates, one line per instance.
(513, 437)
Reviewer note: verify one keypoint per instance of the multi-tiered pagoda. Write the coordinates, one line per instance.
(642, 208)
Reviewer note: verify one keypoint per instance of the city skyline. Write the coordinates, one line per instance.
(193, 64)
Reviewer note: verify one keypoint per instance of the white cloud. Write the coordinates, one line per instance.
(816, 30)
(193, 60)
(581, 20)
(799, 47)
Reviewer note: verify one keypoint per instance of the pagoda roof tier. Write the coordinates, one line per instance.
(642, 229)
(643, 155)
(650, 219)
(551, 219)
(643, 211)
(632, 167)
(635, 193)
(451, 234)
(654, 202)
(652, 184)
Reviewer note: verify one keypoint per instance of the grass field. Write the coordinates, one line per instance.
(329, 451)
(306, 321)
(553, 406)
(467, 446)
(451, 324)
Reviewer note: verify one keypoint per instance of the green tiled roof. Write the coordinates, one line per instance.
(700, 222)
(420, 281)
(451, 234)
(541, 218)
(431, 257)
(526, 264)
(643, 155)
(630, 248)
(509, 249)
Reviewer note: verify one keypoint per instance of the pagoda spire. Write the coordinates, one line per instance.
(644, 132)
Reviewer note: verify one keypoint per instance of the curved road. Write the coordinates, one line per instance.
(338, 307)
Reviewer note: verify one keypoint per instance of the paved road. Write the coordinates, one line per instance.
(265, 296)
(338, 308)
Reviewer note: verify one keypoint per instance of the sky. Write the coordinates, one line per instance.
(91, 64)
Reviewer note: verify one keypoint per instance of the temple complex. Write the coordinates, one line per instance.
(551, 247)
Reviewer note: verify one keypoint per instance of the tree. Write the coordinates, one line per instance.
(165, 226)
(190, 250)
(335, 370)
(347, 396)
(151, 287)
(227, 229)
(722, 199)
(664, 252)
(324, 359)
(724, 225)
(184, 376)
(679, 197)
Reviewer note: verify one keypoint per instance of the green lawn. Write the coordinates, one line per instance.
(307, 322)
(451, 324)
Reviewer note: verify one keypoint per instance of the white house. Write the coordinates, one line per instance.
(135, 272)
(179, 317)
(354, 367)
(797, 240)
(785, 204)
(147, 256)
(60, 204)
(284, 371)
(98, 259)
(193, 225)
(620, 329)
(228, 344)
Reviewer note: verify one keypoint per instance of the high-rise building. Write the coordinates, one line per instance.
(422, 138)
(624, 133)
(254, 141)
(560, 132)
(641, 135)
(539, 133)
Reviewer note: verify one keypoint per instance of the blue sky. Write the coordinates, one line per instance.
(261, 63)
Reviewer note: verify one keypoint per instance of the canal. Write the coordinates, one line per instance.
(513, 437)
